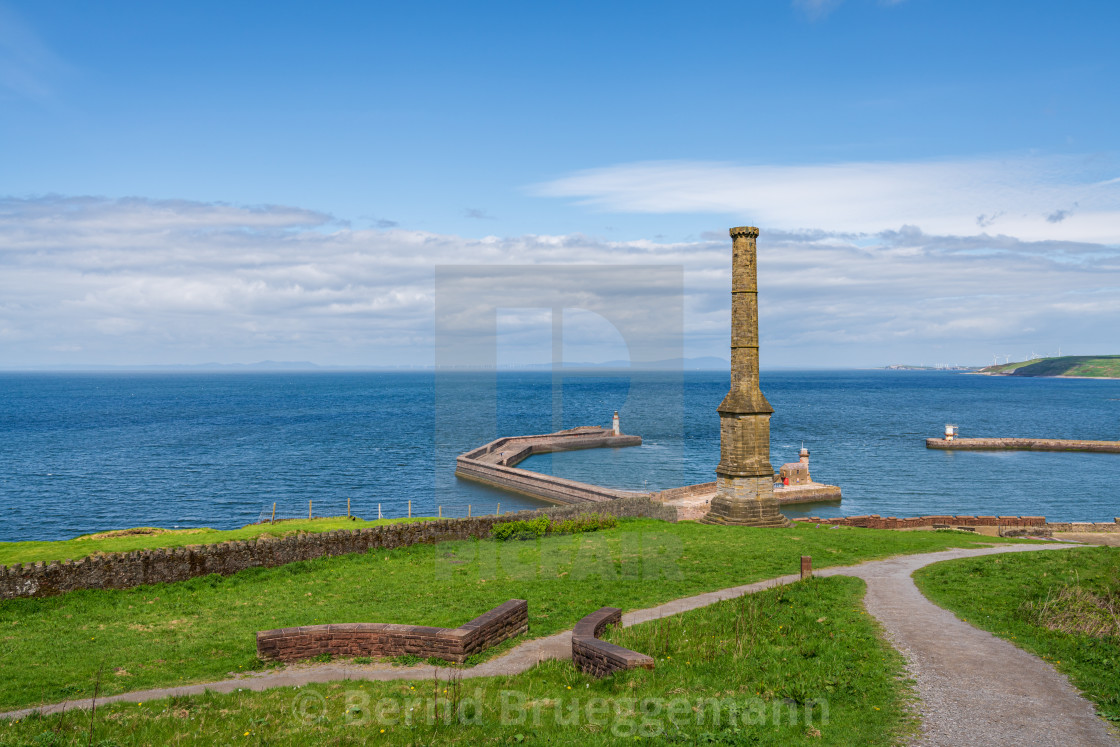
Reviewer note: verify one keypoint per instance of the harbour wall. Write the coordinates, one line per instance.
(1023, 444)
(1084, 526)
(936, 522)
(165, 565)
(814, 492)
(494, 464)
(930, 522)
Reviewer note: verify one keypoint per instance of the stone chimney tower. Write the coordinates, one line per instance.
(744, 477)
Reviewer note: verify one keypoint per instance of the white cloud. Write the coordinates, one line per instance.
(136, 281)
(1018, 196)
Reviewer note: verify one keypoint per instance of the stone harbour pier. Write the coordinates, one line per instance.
(495, 464)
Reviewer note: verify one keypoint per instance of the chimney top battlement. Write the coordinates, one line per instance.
(750, 232)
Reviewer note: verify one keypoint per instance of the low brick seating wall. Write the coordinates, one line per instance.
(891, 522)
(600, 658)
(385, 639)
(125, 570)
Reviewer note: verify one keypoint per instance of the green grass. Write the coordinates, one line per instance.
(807, 653)
(1105, 366)
(1006, 368)
(147, 538)
(1003, 595)
(203, 629)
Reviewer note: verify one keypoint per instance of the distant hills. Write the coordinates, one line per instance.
(1090, 366)
(708, 363)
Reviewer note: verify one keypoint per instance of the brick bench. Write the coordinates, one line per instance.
(600, 658)
(386, 639)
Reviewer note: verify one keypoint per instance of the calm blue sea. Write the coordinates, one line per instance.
(88, 452)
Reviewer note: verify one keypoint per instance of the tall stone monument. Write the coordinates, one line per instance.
(744, 477)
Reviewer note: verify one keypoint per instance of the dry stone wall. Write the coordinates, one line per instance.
(384, 639)
(125, 570)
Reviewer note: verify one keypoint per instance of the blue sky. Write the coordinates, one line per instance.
(190, 182)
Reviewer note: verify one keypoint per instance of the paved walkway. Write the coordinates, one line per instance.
(975, 688)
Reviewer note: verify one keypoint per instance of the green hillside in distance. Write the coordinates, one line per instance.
(1093, 366)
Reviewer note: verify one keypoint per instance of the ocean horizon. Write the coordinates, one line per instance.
(92, 451)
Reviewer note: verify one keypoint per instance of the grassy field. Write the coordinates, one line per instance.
(796, 665)
(203, 629)
(1064, 607)
(147, 538)
(1097, 366)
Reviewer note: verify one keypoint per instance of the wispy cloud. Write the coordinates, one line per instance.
(816, 9)
(102, 281)
(28, 67)
(1015, 196)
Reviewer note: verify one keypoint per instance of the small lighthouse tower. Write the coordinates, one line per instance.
(614, 424)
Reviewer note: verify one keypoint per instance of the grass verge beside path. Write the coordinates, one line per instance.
(203, 629)
(802, 664)
(150, 538)
(1039, 601)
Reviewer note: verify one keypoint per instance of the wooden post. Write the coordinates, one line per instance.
(410, 509)
(309, 510)
(441, 512)
(347, 507)
(274, 512)
(499, 509)
(468, 510)
(379, 512)
(806, 567)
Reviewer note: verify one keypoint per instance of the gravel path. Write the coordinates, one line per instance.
(975, 688)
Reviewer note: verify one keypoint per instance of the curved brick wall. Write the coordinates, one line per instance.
(385, 639)
(600, 658)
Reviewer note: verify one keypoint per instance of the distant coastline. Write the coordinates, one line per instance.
(1106, 367)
